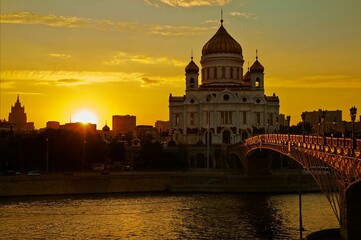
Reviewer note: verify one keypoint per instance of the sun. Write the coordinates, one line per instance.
(85, 116)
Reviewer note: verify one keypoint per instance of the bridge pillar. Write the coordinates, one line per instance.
(351, 228)
(258, 163)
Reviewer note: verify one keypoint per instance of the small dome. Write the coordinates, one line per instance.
(257, 67)
(222, 42)
(106, 128)
(192, 67)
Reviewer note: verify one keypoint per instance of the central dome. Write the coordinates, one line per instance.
(222, 42)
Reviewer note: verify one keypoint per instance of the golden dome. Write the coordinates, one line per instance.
(192, 67)
(257, 67)
(222, 42)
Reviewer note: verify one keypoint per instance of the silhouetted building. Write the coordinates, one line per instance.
(53, 125)
(6, 126)
(80, 127)
(330, 117)
(142, 131)
(106, 134)
(282, 120)
(124, 124)
(162, 126)
(17, 117)
(225, 105)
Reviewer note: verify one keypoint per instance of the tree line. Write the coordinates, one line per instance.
(63, 150)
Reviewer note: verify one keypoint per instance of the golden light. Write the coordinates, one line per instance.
(85, 116)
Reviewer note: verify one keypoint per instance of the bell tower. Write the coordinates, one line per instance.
(192, 73)
(257, 75)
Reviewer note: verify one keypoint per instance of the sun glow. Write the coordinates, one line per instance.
(85, 116)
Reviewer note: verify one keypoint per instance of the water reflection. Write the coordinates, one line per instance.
(162, 216)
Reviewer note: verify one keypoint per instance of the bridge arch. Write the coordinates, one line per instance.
(234, 161)
(340, 184)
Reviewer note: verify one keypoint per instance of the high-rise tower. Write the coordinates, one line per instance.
(17, 116)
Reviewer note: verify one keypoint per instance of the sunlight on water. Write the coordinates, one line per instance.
(163, 216)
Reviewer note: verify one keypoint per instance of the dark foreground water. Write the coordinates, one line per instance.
(163, 216)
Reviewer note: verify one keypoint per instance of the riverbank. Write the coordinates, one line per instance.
(94, 183)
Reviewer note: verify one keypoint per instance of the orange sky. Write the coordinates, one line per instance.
(126, 57)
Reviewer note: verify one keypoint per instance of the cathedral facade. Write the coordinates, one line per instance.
(222, 104)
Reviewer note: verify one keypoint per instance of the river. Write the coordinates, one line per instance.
(164, 216)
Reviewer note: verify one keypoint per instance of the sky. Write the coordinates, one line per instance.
(123, 57)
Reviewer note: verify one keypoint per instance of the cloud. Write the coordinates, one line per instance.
(69, 81)
(59, 55)
(210, 21)
(68, 78)
(80, 78)
(169, 30)
(61, 21)
(187, 3)
(80, 22)
(6, 84)
(24, 93)
(148, 81)
(317, 81)
(122, 57)
(243, 15)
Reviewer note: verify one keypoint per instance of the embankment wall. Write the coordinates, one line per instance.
(53, 185)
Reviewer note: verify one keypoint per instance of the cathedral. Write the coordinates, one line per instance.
(222, 105)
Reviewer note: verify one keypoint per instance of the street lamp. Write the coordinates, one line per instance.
(334, 130)
(353, 112)
(288, 123)
(277, 122)
(303, 117)
(208, 123)
(322, 117)
(318, 129)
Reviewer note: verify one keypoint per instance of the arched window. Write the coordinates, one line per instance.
(223, 72)
(215, 73)
(257, 83)
(191, 83)
(191, 119)
(207, 74)
(231, 73)
(237, 73)
(177, 118)
(226, 137)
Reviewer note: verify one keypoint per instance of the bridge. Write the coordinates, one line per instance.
(334, 163)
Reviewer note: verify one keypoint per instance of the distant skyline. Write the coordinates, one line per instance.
(125, 57)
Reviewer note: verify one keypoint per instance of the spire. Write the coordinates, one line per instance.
(17, 100)
(192, 67)
(221, 16)
(257, 66)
